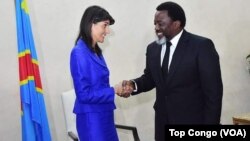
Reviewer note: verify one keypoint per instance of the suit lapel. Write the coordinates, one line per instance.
(156, 65)
(178, 55)
(98, 59)
(159, 70)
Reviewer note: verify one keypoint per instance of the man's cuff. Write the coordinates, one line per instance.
(134, 85)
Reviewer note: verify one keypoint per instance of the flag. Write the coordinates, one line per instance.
(35, 126)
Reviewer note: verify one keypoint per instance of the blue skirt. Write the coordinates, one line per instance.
(97, 126)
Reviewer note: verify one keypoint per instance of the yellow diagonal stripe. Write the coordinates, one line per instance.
(21, 54)
(31, 78)
(34, 61)
(25, 81)
(24, 6)
(39, 90)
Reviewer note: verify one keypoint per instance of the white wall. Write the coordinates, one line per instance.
(55, 25)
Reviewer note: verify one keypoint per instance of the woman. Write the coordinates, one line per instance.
(94, 104)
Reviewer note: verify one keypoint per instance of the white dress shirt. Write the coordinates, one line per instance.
(174, 42)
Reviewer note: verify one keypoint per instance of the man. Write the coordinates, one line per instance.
(188, 82)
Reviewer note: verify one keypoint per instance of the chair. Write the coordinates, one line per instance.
(68, 99)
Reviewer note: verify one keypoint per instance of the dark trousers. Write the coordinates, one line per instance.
(160, 122)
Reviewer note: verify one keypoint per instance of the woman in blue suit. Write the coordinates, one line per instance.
(94, 104)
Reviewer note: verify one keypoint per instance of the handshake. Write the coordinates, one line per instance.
(124, 88)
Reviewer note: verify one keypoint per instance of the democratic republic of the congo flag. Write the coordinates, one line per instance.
(34, 120)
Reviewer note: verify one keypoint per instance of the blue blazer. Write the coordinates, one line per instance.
(91, 81)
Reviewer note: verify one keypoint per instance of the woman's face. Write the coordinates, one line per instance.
(99, 30)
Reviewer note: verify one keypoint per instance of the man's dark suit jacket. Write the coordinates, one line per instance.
(191, 93)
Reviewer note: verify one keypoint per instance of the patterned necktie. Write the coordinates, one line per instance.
(166, 59)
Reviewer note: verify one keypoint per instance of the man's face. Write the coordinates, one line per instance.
(163, 24)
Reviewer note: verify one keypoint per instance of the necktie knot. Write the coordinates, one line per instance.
(169, 44)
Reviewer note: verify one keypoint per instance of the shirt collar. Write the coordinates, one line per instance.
(176, 38)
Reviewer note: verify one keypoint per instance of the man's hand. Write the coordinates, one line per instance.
(127, 88)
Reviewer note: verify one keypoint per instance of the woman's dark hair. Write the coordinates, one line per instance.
(92, 14)
(175, 12)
